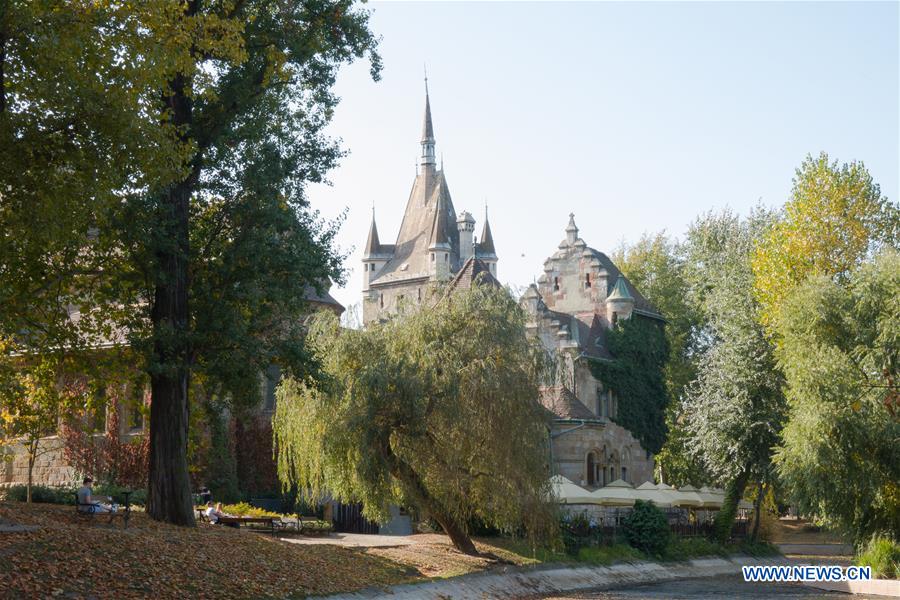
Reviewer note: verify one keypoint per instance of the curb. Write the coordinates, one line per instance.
(518, 584)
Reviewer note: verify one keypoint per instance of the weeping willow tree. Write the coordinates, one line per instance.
(437, 411)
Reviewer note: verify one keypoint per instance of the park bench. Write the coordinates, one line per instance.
(89, 510)
(274, 523)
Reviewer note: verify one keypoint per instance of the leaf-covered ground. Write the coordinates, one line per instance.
(69, 557)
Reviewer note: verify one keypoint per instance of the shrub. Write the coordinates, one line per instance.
(647, 529)
(883, 555)
(42, 493)
(243, 509)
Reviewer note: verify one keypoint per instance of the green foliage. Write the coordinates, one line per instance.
(636, 374)
(42, 494)
(733, 412)
(607, 555)
(883, 555)
(221, 473)
(680, 548)
(437, 411)
(836, 218)
(243, 509)
(647, 529)
(840, 352)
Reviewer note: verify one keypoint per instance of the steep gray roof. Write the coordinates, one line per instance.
(641, 304)
(486, 241)
(564, 405)
(429, 194)
(373, 245)
(427, 127)
(473, 272)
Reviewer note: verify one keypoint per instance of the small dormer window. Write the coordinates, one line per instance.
(587, 280)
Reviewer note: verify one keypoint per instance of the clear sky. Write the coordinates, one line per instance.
(637, 117)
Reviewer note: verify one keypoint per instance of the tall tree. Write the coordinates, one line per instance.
(656, 266)
(438, 411)
(841, 356)
(735, 408)
(231, 241)
(162, 196)
(835, 218)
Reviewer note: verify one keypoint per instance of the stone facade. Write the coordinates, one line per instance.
(578, 298)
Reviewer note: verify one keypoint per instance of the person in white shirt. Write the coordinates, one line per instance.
(87, 502)
(213, 514)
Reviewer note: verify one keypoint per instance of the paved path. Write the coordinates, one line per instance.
(714, 587)
(816, 549)
(358, 540)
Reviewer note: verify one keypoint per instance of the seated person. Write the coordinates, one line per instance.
(88, 503)
(213, 514)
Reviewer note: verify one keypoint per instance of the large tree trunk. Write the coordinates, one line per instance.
(32, 457)
(758, 512)
(169, 491)
(734, 491)
(413, 484)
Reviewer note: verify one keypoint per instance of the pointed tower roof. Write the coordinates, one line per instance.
(427, 127)
(486, 242)
(440, 228)
(373, 245)
(571, 230)
(620, 290)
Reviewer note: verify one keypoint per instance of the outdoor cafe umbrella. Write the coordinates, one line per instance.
(617, 493)
(647, 491)
(687, 496)
(710, 498)
(568, 493)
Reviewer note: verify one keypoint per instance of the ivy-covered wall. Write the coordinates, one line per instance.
(636, 376)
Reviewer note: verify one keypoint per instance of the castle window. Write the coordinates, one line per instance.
(381, 300)
(432, 257)
(587, 280)
(624, 474)
(419, 292)
(556, 284)
(446, 258)
(615, 317)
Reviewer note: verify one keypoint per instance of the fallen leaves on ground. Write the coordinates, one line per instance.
(74, 557)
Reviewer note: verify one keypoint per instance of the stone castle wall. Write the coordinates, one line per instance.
(50, 468)
(570, 451)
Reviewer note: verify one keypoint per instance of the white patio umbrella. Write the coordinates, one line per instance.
(567, 492)
(711, 499)
(617, 493)
(647, 491)
(688, 496)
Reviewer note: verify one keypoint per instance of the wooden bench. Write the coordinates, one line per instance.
(89, 510)
(270, 521)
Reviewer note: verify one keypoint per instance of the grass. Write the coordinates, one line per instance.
(883, 555)
(72, 556)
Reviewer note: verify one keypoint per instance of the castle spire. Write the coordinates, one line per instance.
(486, 245)
(373, 245)
(427, 131)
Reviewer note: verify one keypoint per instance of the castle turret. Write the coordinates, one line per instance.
(374, 255)
(465, 223)
(619, 302)
(439, 246)
(486, 251)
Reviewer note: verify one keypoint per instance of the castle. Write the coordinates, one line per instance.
(580, 295)
(434, 244)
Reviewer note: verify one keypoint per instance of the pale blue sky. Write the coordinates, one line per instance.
(637, 117)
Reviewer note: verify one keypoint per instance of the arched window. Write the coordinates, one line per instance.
(624, 474)
(587, 280)
(591, 466)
